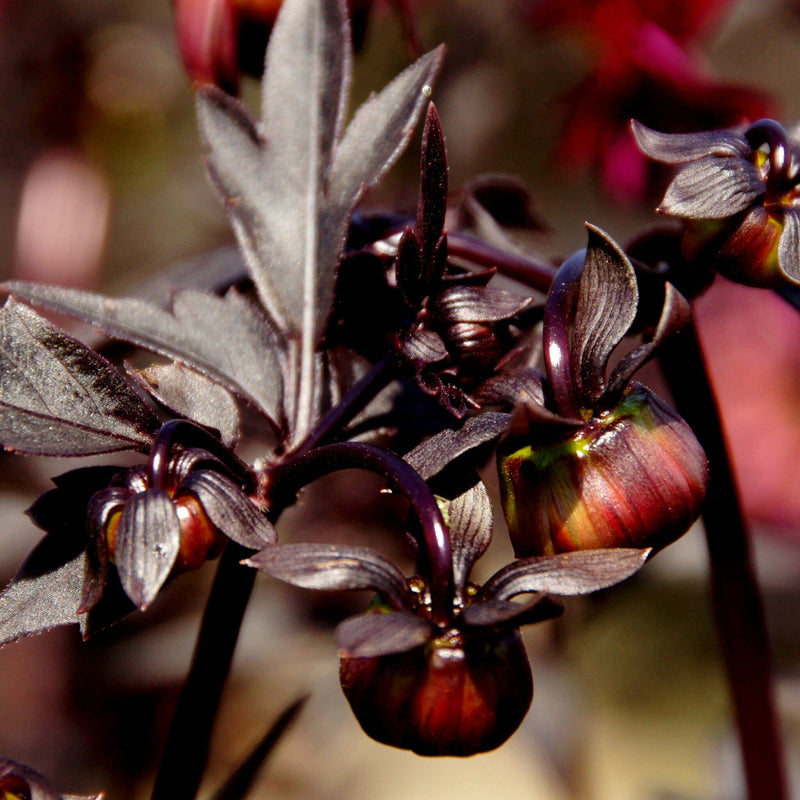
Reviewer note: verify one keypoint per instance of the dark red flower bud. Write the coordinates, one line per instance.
(457, 695)
(633, 476)
(743, 249)
(201, 540)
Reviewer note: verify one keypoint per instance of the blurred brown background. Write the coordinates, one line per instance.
(102, 185)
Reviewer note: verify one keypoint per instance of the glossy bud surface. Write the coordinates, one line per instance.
(634, 476)
(454, 696)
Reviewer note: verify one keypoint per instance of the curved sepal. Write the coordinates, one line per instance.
(331, 567)
(147, 543)
(379, 634)
(575, 573)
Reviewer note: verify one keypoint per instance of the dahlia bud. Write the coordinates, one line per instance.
(590, 462)
(459, 694)
(634, 476)
(736, 191)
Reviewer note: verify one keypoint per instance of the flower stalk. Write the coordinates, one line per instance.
(736, 599)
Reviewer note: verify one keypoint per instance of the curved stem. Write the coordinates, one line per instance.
(189, 434)
(293, 475)
(556, 335)
(772, 134)
(185, 754)
(512, 264)
(736, 600)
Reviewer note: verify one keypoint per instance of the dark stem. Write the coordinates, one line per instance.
(363, 392)
(185, 433)
(434, 542)
(184, 759)
(772, 134)
(558, 315)
(736, 600)
(514, 265)
(186, 751)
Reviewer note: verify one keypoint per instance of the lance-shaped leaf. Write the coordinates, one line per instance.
(229, 509)
(226, 338)
(187, 393)
(291, 185)
(334, 567)
(239, 784)
(58, 397)
(575, 573)
(147, 543)
(380, 130)
(432, 205)
(379, 634)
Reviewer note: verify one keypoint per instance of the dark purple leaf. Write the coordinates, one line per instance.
(493, 202)
(291, 186)
(713, 188)
(330, 567)
(678, 148)
(147, 543)
(473, 304)
(187, 393)
(408, 266)
(469, 520)
(380, 130)
(58, 397)
(435, 454)
(36, 601)
(489, 613)
(227, 338)
(380, 634)
(433, 187)
(229, 509)
(604, 311)
(789, 244)
(579, 572)
(675, 314)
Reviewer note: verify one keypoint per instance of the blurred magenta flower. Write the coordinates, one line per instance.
(220, 40)
(644, 64)
(736, 192)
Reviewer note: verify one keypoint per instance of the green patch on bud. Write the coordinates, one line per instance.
(634, 476)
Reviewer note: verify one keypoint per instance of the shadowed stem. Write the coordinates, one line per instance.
(736, 600)
(185, 754)
(184, 758)
(434, 539)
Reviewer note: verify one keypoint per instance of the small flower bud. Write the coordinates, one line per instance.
(632, 476)
(457, 695)
(744, 249)
(201, 540)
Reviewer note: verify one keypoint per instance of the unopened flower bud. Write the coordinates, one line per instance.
(457, 695)
(744, 249)
(632, 476)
